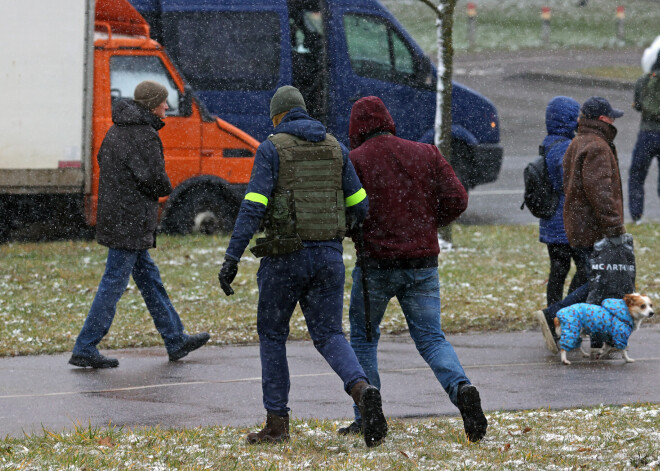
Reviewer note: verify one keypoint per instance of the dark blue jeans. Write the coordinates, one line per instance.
(418, 293)
(646, 149)
(119, 267)
(313, 277)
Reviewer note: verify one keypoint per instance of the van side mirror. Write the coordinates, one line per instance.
(185, 102)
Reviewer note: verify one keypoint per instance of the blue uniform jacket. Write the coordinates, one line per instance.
(612, 319)
(561, 117)
(264, 177)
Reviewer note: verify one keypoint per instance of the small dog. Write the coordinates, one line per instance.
(617, 318)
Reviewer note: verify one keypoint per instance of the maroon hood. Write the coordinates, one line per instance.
(369, 115)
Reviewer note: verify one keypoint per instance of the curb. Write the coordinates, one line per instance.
(576, 79)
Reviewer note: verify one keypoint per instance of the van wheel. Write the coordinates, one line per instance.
(202, 210)
(462, 161)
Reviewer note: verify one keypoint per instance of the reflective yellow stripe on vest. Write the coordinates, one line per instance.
(356, 198)
(257, 198)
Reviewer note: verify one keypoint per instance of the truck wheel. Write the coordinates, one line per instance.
(462, 161)
(203, 210)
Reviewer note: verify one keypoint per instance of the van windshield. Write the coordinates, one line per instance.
(233, 51)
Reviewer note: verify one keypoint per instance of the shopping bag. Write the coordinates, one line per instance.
(612, 269)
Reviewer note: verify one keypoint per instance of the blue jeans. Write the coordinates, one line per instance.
(119, 267)
(418, 293)
(313, 277)
(646, 149)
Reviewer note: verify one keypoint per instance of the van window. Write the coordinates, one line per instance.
(232, 51)
(127, 71)
(377, 51)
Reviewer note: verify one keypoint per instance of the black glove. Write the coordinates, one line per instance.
(227, 275)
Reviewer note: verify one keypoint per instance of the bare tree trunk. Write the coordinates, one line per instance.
(445, 24)
(444, 28)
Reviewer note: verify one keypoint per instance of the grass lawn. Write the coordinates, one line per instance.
(494, 279)
(629, 74)
(602, 438)
(516, 24)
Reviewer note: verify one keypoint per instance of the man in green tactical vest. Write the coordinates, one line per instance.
(304, 192)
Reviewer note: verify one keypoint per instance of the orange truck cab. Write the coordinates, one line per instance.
(208, 160)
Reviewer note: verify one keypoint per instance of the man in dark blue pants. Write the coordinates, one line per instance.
(647, 148)
(304, 188)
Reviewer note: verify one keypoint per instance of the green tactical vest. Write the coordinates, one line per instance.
(307, 200)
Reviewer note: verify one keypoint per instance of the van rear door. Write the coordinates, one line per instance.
(236, 61)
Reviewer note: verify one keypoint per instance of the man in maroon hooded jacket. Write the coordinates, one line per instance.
(412, 190)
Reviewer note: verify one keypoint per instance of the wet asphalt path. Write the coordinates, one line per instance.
(521, 104)
(222, 386)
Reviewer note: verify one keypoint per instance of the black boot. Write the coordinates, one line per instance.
(95, 361)
(352, 429)
(374, 425)
(276, 430)
(193, 342)
(474, 420)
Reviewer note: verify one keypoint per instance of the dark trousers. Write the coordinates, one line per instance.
(646, 149)
(560, 264)
(579, 295)
(313, 277)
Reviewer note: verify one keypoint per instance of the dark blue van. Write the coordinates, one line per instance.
(236, 53)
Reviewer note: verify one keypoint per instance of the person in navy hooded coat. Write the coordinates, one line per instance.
(561, 117)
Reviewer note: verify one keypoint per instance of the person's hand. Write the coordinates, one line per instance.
(227, 275)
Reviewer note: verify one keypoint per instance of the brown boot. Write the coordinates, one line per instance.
(275, 431)
(374, 425)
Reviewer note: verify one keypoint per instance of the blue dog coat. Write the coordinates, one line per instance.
(611, 319)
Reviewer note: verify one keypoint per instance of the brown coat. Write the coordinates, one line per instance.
(593, 208)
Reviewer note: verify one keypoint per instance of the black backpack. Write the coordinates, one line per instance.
(541, 198)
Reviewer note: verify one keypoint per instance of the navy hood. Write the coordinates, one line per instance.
(561, 116)
(129, 113)
(298, 123)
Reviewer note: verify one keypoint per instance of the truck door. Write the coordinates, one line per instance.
(372, 56)
(181, 135)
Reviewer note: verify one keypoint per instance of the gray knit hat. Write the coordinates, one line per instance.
(286, 98)
(150, 94)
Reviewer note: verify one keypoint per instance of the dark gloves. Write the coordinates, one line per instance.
(227, 275)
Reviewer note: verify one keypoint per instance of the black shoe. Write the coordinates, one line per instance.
(474, 420)
(374, 425)
(193, 342)
(353, 429)
(96, 361)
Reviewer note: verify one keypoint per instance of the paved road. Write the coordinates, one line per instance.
(221, 385)
(521, 105)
